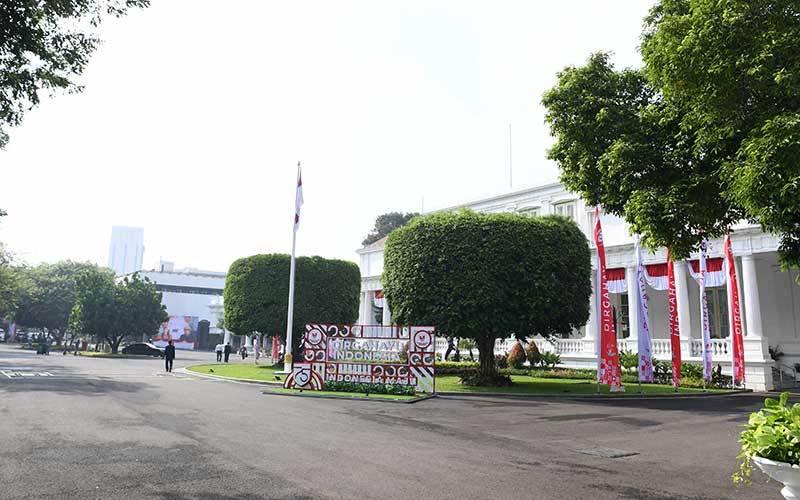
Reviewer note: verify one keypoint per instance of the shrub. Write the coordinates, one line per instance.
(456, 367)
(476, 379)
(550, 359)
(533, 354)
(501, 361)
(516, 356)
(628, 360)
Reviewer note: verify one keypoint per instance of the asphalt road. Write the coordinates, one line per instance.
(86, 428)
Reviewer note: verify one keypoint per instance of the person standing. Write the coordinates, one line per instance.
(227, 351)
(218, 349)
(169, 355)
(243, 352)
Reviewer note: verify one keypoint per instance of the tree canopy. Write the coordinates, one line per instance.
(488, 276)
(387, 223)
(707, 133)
(256, 294)
(115, 310)
(44, 46)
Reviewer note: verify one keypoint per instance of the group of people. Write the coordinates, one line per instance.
(223, 349)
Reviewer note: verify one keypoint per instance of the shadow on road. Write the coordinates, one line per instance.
(217, 496)
(88, 387)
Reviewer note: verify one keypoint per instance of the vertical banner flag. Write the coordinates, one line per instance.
(674, 328)
(275, 350)
(644, 340)
(298, 198)
(707, 365)
(737, 340)
(12, 331)
(607, 355)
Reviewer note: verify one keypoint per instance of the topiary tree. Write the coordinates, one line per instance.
(516, 356)
(488, 276)
(257, 294)
(533, 354)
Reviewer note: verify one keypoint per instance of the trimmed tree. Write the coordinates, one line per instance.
(488, 276)
(257, 294)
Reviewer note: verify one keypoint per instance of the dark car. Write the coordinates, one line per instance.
(143, 348)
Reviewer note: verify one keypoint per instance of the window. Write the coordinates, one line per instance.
(566, 209)
(623, 328)
(531, 211)
(717, 300)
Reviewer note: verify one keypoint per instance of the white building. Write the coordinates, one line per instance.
(771, 298)
(126, 250)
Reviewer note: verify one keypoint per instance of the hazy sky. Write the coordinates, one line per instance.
(194, 117)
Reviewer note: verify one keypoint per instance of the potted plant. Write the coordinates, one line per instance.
(772, 441)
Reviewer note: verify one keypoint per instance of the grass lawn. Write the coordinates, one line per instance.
(530, 385)
(249, 371)
(342, 394)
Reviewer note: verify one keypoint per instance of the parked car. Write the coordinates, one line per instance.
(144, 349)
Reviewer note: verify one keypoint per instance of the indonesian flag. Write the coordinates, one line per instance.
(707, 365)
(380, 300)
(645, 343)
(674, 325)
(734, 310)
(715, 271)
(608, 372)
(615, 278)
(298, 198)
(657, 275)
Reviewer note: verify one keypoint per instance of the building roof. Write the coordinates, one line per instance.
(375, 245)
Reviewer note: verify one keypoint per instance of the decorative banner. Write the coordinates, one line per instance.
(275, 347)
(707, 365)
(615, 279)
(734, 310)
(607, 355)
(182, 330)
(379, 300)
(657, 275)
(645, 342)
(674, 325)
(355, 353)
(714, 275)
(12, 331)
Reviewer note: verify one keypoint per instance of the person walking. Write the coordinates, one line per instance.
(227, 351)
(169, 355)
(218, 349)
(243, 352)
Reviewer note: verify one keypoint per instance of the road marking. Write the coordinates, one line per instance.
(19, 374)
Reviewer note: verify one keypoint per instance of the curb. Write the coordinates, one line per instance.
(230, 379)
(349, 398)
(593, 397)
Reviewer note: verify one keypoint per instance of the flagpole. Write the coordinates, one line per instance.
(287, 357)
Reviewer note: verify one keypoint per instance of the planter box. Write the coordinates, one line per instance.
(784, 473)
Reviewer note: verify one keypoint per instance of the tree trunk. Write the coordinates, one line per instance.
(488, 369)
(115, 345)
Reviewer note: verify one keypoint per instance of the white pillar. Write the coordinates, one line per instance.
(752, 303)
(591, 325)
(362, 311)
(248, 342)
(633, 303)
(682, 296)
(227, 338)
(387, 317)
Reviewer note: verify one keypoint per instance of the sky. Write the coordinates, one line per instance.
(194, 117)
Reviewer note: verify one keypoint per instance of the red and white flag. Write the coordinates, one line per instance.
(674, 328)
(608, 372)
(734, 308)
(298, 198)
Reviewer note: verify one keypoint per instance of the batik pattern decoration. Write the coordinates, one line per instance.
(392, 355)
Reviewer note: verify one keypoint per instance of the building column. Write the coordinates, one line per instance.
(752, 303)
(592, 328)
(248, 341)
(682, 297)
(363, 314)
(227, 338)
(633, 303)
(387, 316)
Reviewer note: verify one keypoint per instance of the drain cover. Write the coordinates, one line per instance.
(607, 452)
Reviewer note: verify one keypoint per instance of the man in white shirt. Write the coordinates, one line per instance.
(218, 349)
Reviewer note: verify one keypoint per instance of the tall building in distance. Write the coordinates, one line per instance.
(126, 250)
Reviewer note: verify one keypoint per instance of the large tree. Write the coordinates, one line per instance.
(44, 46)
(257, 294)
(489, 276)
(50, 291)
(705, 134)
(113, 311)
(387, 223)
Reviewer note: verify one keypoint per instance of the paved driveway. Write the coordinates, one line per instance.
(83, 428)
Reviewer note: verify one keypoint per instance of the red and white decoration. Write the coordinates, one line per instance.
(715, 271)
(734, 310)
(657, 275)
(674, 325)
(379, 300)
(615, 278)
(608, 371)
(325, 345)
(644, 341)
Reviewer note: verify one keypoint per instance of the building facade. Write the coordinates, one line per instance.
(126, 250)
(770, 297)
